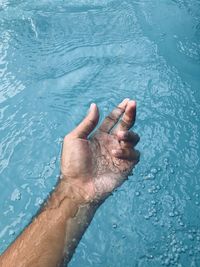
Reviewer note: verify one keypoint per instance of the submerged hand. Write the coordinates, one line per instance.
(102, 162)
(91, 168)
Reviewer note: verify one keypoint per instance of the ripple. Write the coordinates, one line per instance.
(55, 59)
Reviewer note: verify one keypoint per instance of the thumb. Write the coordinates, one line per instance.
(88, 123)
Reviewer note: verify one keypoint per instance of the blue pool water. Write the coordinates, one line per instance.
(56, 57)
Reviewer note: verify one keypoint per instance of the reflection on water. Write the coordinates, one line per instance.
(57, 57)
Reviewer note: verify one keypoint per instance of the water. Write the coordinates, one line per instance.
(56, 57)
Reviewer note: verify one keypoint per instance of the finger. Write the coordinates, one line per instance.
(128, 137)
(128, 118)
(88, 123)
(110, 121)
(126, 154)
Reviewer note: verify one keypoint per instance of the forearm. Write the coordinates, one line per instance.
(54, 233)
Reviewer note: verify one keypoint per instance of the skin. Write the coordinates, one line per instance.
(92, 166)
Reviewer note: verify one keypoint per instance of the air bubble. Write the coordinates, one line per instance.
(114, 225)
(150, 256)
(190, 253)
(150, 176)
(11, 232)
(137, 193)
(53, 161)
(154, 171)
(156, 219)
(167, 262)
(190, 237)
(16, 195)
(181, 223)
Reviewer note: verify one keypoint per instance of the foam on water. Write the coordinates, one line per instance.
(56, 58)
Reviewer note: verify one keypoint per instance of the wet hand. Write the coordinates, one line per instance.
(100, 162)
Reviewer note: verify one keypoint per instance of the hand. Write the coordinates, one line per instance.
(100, 163)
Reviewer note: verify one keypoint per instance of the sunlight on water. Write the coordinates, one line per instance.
(56, 57)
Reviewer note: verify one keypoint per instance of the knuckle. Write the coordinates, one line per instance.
(124, 124)
(111, 117)
(117, 112)
(119, 109)
(66, 138)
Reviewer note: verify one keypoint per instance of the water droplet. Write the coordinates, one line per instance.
(38, 201)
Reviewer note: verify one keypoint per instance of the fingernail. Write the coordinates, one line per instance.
(92, 105)
(133, 102)
(126, 100)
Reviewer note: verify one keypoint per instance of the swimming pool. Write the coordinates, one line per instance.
(56, 57)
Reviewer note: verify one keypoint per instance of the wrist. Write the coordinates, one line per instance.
(72, 192)
(82, 187)
(69, 189)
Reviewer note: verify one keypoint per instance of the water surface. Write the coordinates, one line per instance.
(56, 57)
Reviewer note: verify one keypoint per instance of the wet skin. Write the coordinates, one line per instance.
(93, 164)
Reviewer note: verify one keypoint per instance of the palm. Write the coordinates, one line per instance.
(110, 171)
(99, 171)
